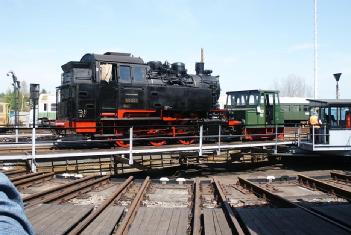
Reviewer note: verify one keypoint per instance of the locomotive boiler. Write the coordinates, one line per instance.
(102, 96)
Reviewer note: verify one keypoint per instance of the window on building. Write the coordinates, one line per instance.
(45, 107)
(1, 108)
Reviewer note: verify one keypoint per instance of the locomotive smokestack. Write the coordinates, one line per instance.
(200, 66)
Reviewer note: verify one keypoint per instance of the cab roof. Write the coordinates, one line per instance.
(117, 57)
(330, 102)
(252, 91)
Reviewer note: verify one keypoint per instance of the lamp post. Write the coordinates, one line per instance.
(16, 86)
(34, 96)
(337, 78)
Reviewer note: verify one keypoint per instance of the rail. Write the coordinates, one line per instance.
(66, 190)
(91, 217)
(276, 199)
(128, 219)
(32, 179)
(228, 210)
(329, 188)
(197, 209)
(341, 177)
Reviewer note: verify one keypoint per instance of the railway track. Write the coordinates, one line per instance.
(33, 178)
(65, 191)
(215, 205)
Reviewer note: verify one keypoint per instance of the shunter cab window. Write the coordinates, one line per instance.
(124, 73)
(139, 74)
(253, 99)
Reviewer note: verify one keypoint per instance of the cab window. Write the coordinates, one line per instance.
(124, 73)
(253, 99)
(139, 74)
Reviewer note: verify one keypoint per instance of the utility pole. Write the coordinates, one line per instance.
(34, 96)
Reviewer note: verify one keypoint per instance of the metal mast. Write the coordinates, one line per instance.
(315, 93)
(202, 55)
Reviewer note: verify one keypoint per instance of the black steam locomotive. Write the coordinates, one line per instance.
(101, 96)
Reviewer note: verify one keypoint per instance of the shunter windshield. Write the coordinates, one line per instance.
(242, 99)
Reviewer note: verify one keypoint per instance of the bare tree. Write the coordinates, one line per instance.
(293, 86)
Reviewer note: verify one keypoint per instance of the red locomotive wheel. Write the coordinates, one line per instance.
(187, 142)
(158, 143)
(122, 144)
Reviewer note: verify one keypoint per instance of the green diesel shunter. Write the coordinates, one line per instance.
(255, 114)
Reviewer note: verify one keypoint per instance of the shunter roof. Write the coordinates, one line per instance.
(252, 91)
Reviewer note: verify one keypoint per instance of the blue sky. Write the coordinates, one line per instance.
(250, 44)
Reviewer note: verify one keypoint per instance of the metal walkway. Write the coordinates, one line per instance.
(144, 150)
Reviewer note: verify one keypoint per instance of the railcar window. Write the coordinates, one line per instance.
(294, 108)
(124, 73)
(285, 108)
(139, 74)
(53, 107)
(306, 108)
